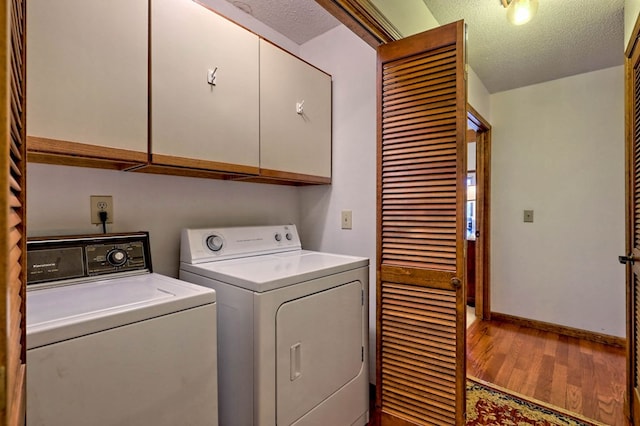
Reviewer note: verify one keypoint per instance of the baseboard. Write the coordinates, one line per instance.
(606, 339)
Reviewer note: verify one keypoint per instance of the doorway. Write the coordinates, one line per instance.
(478, 207)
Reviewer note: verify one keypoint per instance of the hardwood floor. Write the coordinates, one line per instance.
(583, 377)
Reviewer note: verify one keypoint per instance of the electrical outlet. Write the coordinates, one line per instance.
(101, 203)
(528, 216)
(346, 219)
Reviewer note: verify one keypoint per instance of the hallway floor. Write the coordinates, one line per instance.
(580, 376)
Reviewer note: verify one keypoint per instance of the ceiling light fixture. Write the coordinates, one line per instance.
(520, 11)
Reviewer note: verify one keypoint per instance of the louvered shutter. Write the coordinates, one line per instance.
(633, 224)
(421, 190)
(12, 312)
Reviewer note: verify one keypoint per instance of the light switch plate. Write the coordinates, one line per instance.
(528, 216)
(346, 219)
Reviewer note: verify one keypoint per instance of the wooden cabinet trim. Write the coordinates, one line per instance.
(294, 177)
(212, 166)
(41, 145)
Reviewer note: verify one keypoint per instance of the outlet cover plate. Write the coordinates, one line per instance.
(98, 203)
(528, 216)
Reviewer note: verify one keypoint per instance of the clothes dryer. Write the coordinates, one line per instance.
(292, 326)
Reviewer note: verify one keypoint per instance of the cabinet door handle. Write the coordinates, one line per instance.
(211, 76)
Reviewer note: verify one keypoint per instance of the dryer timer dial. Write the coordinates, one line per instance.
(117, 257)
(214, 242)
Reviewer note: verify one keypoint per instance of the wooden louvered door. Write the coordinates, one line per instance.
(421, 200)
(632, 101)
(12, 314)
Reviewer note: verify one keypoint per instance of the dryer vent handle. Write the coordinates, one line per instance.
(295, 365)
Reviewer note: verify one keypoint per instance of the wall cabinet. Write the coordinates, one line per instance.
(174, 89)
(196, 123)
(295, 116)
(86, 82)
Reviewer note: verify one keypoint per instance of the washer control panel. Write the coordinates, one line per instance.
(65, 258)
(114, 257)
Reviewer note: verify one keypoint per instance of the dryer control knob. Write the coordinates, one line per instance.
(289, 236)
(278, 237)
(117, 257)
(214, 243)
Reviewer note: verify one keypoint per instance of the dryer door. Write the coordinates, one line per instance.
(320, 341)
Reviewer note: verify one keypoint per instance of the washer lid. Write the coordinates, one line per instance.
(271, 271)
(61, 313)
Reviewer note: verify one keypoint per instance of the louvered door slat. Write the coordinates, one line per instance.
(434, 74)
(420, 217)
(437, 93)
(15, 146)
(406, 147)
(414, 61)
(416, 104)
(421, 69)
(418, 371)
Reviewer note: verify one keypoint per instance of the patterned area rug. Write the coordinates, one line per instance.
(489, 405)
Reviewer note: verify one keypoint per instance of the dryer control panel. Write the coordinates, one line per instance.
(213, 244)
(69, 259)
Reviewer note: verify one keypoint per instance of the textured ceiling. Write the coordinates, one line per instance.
(566, 37)
(298, 20)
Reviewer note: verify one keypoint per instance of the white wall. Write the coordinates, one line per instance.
(478, 95)
(558, 148)
(58, 204)
(408, 16)
(352, 64)
(631, 11)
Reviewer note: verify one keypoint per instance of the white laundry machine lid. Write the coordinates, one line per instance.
(270, 271)
(62, 313)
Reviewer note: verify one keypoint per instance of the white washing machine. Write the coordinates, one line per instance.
(292, 326)
(111, 343)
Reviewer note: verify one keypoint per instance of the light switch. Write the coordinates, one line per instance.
(528, 216)
(346, 219)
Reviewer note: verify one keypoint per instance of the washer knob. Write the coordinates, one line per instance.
(117, 257)
(214, 242)
(278, 237)
(289, 236)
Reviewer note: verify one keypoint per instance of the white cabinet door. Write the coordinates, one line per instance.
(87, 72)
(190, 118)
(293, 140)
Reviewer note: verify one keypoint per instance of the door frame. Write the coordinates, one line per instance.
(476, 122)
